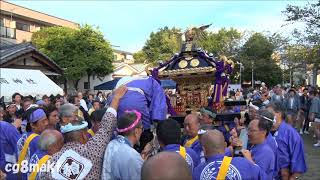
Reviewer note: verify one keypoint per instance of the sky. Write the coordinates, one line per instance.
(128, 24)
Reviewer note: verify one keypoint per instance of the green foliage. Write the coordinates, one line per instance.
(310, 15)
(79, 52)
(310, 38)
(225, 42)
(162, 44)
(258, 50)
(140, 57)
(258, 47)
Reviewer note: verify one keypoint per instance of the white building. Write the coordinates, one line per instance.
(120, 70)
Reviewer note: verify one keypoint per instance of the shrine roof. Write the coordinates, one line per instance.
(192, 62)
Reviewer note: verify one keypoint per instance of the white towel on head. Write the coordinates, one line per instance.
(125, 80)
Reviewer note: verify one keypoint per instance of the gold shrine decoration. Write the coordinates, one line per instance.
(182, 64)
(227, 61)
(194, 62)
(192, 95)
(197, 70)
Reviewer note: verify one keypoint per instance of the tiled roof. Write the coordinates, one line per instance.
(14, 51)
(139, 67)
(123, 52)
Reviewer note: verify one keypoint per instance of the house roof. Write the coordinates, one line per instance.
(122, 52)
(139, 67)
(6, 43)
(14, 51)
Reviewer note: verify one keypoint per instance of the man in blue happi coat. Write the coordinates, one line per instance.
(191, 139)
(208, 116)
(260, 152)
(146, 96)
(50, 142)
(219, 166)
(270, 140)
(9, 136)
(27, 145)
(291, 159)
(169, 136)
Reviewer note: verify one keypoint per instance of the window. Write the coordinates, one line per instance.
(86, 85)
(7, 32)
(1, 22)
(22, 26)
(114, 57)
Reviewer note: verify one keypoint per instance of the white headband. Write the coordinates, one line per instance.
(69, 127)
(273, 121)
(254, 106)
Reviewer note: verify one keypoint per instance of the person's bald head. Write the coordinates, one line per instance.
(50, 141)
(213, 142)
(191, 125)
(166, 166)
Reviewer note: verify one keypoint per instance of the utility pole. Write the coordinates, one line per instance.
(252, 80)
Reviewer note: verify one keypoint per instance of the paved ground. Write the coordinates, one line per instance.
(313, 158)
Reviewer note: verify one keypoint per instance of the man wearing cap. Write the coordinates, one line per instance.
(191, 128)
(169, 135)
(145, 95)
(41, 103)
(27, 145)
(209, 117)
(50, 142)
(81, 157)
(121, 160)
(9, 136)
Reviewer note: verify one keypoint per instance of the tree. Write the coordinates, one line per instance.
(162, 44)
(79, 52)
(310, 16)
(225, 42)
(256, 54)
(140, 57)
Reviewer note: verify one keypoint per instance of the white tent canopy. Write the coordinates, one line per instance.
(26, 82)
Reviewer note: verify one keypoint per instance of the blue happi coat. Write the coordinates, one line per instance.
(240, 168)
(191, 157)
(35, 159)
(263, 156)
(196, 147)
(290, 149)
(271, 141)
(33, 147)
(9, 136)
(145, 95)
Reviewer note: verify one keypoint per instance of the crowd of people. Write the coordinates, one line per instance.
(95, 137)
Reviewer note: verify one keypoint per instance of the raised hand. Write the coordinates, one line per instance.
(247, 155)
(120, 92)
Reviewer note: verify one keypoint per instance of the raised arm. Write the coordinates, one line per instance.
(108, 123)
